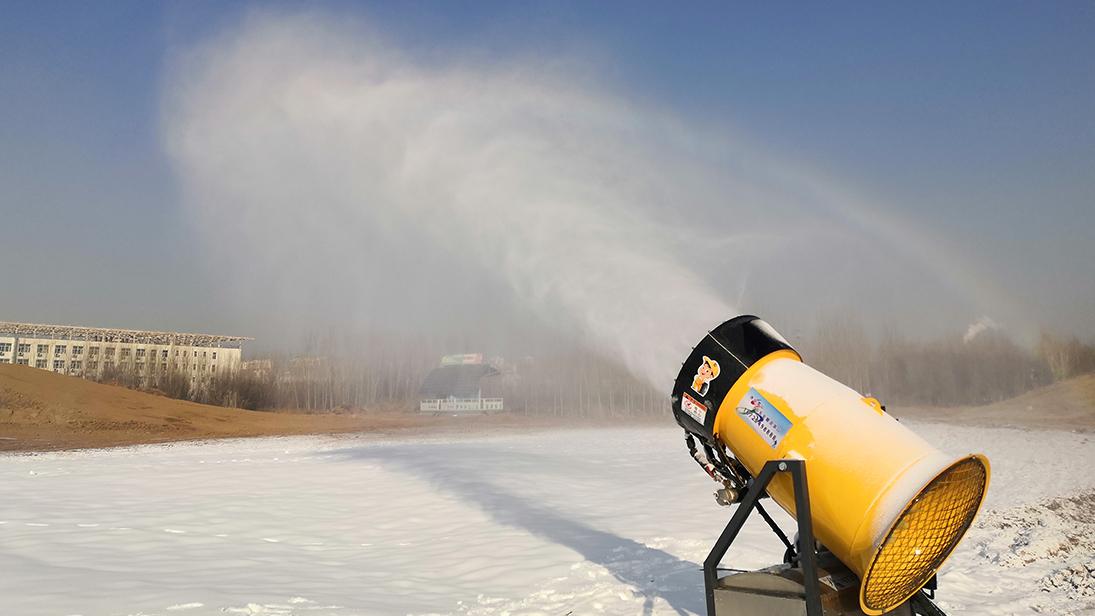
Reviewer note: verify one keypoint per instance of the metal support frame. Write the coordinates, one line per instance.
(807, 557)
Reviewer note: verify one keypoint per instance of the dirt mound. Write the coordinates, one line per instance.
(1066, 405)
(42, 410)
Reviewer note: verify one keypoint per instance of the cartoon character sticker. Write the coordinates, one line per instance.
(707, 372)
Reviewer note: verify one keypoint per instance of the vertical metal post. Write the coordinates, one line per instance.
(807, 550)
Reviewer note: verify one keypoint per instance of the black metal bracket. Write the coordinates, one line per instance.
(807, 557)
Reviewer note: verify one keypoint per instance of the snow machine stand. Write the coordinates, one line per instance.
(886, 508)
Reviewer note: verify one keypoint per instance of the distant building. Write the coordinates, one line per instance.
(457, 387)
(261, 368)
(95, 352)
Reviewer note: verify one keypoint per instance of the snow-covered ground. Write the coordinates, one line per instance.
(559, 522)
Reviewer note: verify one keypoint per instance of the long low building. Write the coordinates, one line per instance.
(95, 352)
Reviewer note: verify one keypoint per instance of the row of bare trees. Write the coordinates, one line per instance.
(1066, 357)
(577, 383)
(384, 373)
(947, 371)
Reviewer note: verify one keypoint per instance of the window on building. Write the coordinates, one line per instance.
(195, 353)
(77, 350)
(125, 353)
(93, 352)
(40, 363)
(140, 352)
(214, 354)
(213, 368)
(108, 365)
(59, 350)
(24, 349)
(163, 366)
(203, 354)
(5, 347)
(163, 354)
(74, 364)
(22, 361)
(109, 351)
(92, 365)
(42, 350)
(58, 364)
(176, 352)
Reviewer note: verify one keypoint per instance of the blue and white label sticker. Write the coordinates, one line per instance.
(764, 418)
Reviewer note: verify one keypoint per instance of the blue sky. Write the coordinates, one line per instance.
(975, 119)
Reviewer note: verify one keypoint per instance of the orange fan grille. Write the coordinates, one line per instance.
(924, 535)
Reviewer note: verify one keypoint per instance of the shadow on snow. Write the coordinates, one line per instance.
(651, 573)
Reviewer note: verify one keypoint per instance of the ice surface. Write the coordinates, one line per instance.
(570, 521)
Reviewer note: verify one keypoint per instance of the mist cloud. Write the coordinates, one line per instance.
(335, 175)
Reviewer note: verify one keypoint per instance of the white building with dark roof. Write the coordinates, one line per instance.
(456, 387)
(95, 352)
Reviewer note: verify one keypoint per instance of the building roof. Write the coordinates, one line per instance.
(106, 334)
(455, 381)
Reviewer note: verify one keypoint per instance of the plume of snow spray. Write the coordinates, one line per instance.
(344, 173)
(301, 138)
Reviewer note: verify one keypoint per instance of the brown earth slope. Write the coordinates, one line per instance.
(1065, 405)
(41, 410)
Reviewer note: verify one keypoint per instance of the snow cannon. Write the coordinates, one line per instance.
(880, 513)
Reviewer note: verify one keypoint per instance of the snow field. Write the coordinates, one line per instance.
(568, 521)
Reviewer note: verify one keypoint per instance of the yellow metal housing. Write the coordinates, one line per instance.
(883, 500)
